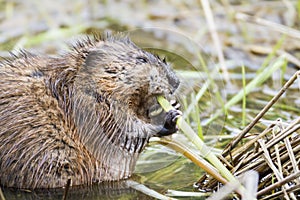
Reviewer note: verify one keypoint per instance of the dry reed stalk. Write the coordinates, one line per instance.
(216, 40)
(261, 113)
(274, 154)
(271, 25)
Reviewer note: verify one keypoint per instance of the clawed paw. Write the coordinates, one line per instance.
(170, 121)
(172, 116)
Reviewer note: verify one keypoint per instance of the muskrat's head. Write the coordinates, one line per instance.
(122, 72)
(113, 99)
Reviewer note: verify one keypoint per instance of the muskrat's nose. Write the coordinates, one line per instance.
(156, 90)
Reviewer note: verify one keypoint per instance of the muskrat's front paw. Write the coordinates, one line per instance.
(172, 116)
(170, 123)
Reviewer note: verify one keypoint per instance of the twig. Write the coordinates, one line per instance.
(276, 194)
(285, 133)
(279, 183)
(243, 149)
(270, 163)
(291, 154)
(260, 162)
(261, 113)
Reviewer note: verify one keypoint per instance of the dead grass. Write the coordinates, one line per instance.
(274, 154)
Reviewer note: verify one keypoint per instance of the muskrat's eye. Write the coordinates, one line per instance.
(142, 59)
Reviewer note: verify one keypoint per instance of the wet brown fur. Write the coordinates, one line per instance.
(81, 116)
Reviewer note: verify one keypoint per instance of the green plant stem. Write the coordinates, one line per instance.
(181, 148)
(257, 81)
(241, 135)
(1, 195)
(204, 150)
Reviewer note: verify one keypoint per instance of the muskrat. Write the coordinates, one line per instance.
(84, 115)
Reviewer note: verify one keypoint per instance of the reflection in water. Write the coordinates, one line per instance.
(104, 190)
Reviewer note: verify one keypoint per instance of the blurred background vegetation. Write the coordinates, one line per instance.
(252, 34)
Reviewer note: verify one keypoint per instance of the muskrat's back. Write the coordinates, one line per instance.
(84, 116)
(37, 148)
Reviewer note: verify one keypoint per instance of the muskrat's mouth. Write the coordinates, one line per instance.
(155, 110)
(155, 113)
